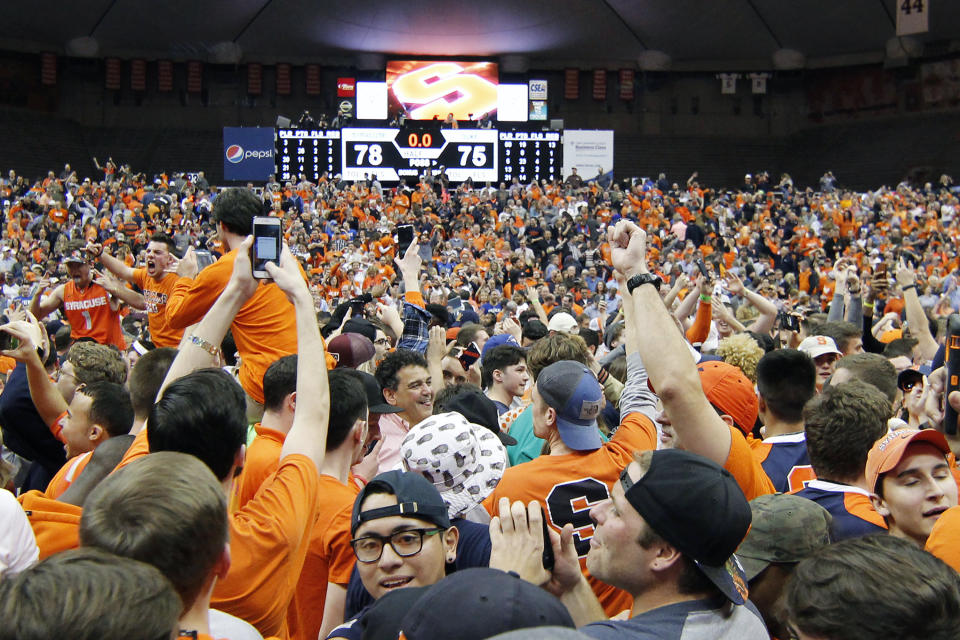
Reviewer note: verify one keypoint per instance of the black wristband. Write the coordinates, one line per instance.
(908, 286)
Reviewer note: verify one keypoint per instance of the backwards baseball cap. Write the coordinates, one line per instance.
(816, 346)
(77, 256)
(681, 496)
(463, 461)
(574, 393)
(887, 452)
(375, 401)
(498, 341)
(486, 601)
(351, 350)
(416, 498)
(730, 391)
(478, 409)
(563, 323)
(785, 529)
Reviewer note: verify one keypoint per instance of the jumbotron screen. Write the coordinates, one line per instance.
(432, 89)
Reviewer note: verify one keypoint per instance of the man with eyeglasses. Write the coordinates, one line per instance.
(402, 537)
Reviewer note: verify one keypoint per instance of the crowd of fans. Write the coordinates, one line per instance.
(572, 408)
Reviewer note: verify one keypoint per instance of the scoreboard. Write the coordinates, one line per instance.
(530, 155)
(308, 152)
(391, 154)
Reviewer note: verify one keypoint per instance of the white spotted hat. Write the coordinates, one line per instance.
(464, 461)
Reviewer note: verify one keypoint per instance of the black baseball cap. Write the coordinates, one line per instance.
(681, 496)
(416, 498)
(375, 401)
(478, 409)
(479, 602)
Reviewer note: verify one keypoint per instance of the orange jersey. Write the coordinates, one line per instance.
(269, 538)
(329, 559)
(259, 463)
(67, 474)
(155, 294)
(568, 486)
(265, 328)
(944, 540)
(55, 524)
(89, 315)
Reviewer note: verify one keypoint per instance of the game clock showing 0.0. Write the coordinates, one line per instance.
(308, 152)
(392, 154)
(530, 155)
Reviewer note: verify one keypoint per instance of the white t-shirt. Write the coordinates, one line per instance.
(18, 547)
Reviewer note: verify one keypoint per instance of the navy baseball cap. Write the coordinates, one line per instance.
(416, 498)
(682, 495)
(498, 341)
(486, 601)
(575, 394)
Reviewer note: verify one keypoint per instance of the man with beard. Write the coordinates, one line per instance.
(156, 281)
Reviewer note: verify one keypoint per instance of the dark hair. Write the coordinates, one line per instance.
(786, 380)
(873, 369)
(165, 509)
(498, 359)
(88, 594)
(841, 424)
(203, 414)
(900, 347)
(147, 376)
(279, 381)
(165, 239)
(841, 331)
(533, 330)
(591, 337)
(392, 363)
(228, 349)
(441, 397)
(235, 209)
(348, 403)
(855, 589)
(110, 406)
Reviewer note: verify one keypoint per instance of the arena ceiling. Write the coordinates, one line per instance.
(694, 34)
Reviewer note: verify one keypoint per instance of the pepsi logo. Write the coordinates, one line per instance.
(235, 153)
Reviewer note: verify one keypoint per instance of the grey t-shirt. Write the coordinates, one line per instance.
(692, 620)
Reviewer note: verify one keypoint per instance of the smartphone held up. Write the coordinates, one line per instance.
(267, 244)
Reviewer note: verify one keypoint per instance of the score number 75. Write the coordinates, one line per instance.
(477, 154)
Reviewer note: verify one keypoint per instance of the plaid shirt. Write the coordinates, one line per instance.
(416, 322)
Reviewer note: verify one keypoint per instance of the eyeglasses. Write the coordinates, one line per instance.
(404, 543)
(383, 342)
(908, 385)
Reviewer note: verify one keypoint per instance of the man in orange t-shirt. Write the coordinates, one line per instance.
(90, 310)
(265, 327)
(155, 282)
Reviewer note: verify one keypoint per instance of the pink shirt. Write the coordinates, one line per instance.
(393, 429)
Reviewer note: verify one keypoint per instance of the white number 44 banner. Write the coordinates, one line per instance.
(913, 16)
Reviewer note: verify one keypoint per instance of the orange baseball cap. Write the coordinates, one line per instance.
(730, 391)
(452, 333)
(887, 452)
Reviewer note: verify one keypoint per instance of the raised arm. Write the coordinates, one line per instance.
(670, 366)
(118, 291)
(114, 266)
(46, 397)
(308, 435)
(41, 308)
(768, 310)
(916, 317)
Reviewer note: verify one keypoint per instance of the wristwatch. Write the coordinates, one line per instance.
(643, 278)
